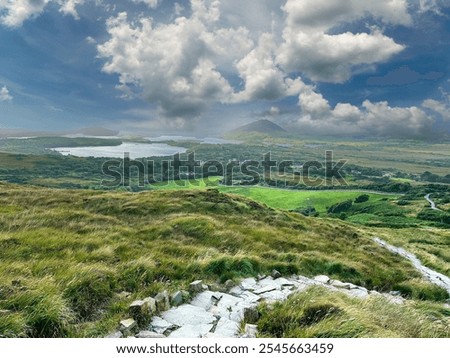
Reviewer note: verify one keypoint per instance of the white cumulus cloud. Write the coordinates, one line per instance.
(317, 116)
(4, 95)
(310, 48)
(150, 3)
(14, 13)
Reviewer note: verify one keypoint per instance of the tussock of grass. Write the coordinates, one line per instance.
(75, 251)
(320, 313)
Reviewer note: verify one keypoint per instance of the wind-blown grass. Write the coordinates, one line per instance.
(66, 256)
(320, 313)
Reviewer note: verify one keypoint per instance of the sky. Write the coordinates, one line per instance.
(328, 67)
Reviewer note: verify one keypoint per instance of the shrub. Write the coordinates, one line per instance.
(340, 207)
(362, 198)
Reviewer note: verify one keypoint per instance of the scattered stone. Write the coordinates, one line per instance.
(162, 301)
(339, 284)
(127, 326)
(161, 326)
(251, 315)
(148, 334)
(359, 293)
(248, 284)
(117, 334)
(276, 274)
(205, 287)
(322, 279)
(251, 331)
(151, 305)
(397, 300)
(395, 293)
(177, 298)
(196, 287)
(140, 312)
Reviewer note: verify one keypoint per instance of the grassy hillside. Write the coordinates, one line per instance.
(320, 313)
(66, 256)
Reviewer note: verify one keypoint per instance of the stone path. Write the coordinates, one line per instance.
(429, 274)
(432, 203)
(218, 315)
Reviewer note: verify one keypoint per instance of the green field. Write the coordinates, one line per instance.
(279, 198)
(293, 199)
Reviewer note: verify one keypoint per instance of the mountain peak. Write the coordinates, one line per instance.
(261, 126)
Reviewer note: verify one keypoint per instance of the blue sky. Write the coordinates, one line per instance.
(349, 67)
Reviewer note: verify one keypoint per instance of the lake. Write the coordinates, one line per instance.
(136, 150)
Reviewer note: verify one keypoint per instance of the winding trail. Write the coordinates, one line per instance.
(432, 203)
(429, 274)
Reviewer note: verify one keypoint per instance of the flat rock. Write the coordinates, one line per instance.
(274, 296)
(117, 334)
(284, 282)
(359, 293)
(148, 334)
(265, 281)
(161, 326)
(236, 291)
(250, 297)
(127, 325)
(188, 315)
(266, 288)
(192, 331)
(226, 328)
(322, 279)
(248, 284)
(339, 284)
(206, 299)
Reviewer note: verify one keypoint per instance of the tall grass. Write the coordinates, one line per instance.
(66, 256)
(320, 313)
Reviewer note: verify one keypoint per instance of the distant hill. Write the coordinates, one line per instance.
(97, 131)
(262, 126)
(92, 131)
